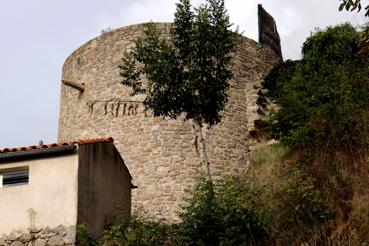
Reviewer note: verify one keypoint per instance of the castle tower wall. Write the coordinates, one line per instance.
(159, 153)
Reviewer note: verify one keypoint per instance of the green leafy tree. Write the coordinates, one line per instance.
(187, 73)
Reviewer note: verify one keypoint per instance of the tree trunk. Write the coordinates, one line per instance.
(200, 145)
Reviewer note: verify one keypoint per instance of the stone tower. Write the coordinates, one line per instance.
(159, 153)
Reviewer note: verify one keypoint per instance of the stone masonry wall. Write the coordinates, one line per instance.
(58, 236)
(159, 153)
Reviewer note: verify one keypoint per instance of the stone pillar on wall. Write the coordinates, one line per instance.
(268, 33)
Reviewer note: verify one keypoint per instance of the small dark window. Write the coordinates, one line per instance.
(15, 178)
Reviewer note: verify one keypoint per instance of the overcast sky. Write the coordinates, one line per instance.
(38, 35)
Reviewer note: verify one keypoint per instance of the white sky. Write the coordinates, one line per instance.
(38, 35)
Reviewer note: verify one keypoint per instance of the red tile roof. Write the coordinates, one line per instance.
(53, 145)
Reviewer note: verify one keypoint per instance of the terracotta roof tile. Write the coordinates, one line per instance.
(55, 145)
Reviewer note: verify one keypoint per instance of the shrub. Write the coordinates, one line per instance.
(136, 231)
(298, 212)
(83, 237)
(324, 98)
(302, 213)
(221, 213)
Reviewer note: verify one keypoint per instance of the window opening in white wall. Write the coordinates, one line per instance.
(14, 177)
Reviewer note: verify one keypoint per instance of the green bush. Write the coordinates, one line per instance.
(83, 237)
(221, 213)
(302, 213)
(298, 211)
(136, 231)
(324, 97)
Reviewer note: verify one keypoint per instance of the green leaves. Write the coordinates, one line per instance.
(136, 231)
(189, 72)
(323, 97)
(222, 213)
(132, 74)
(351, 5)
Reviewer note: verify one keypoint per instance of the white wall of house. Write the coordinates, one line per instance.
(49, 198)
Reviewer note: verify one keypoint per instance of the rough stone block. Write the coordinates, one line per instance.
(17, 243)
(56, 241)
(40, 242)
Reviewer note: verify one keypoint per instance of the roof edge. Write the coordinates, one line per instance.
(36, 153)
(54, 145)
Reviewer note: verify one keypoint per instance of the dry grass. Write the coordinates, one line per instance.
(264, 162)
(345, 189)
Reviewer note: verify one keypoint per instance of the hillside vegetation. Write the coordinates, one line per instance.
(323, 121)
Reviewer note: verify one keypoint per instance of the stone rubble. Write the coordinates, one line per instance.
(58, 236)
